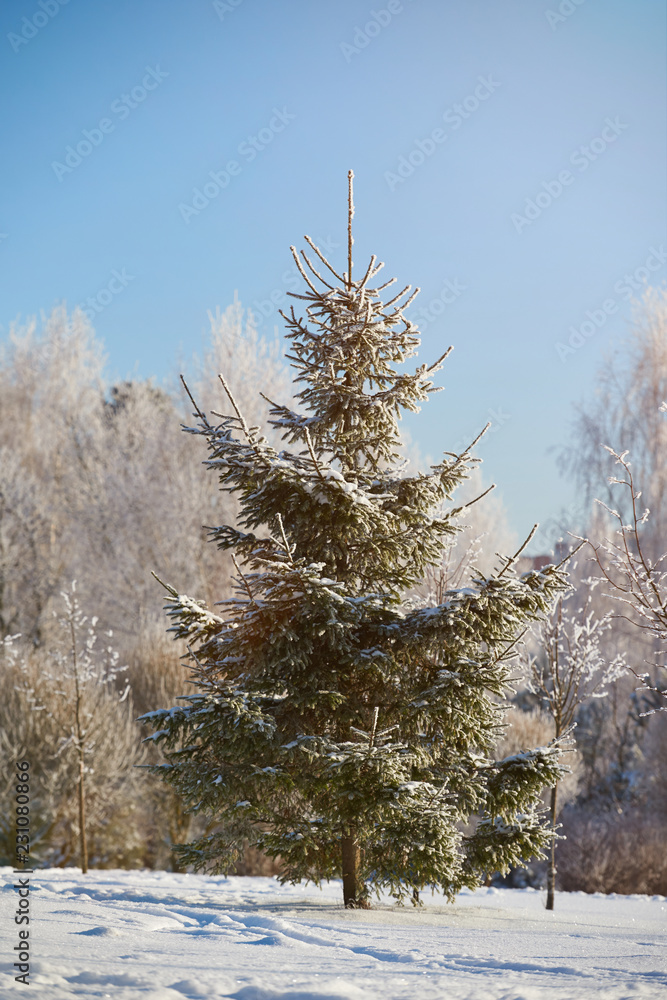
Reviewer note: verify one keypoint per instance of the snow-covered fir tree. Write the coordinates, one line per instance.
(333, 723)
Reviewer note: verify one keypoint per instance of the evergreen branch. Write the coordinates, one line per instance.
(327, 329)
(366, 277)
(276, 406)
(295, 295)
(434, 368)
(167, 587)
(315, 272)
(312, 454)
(237, 411)
(323, 259)
(570, 554)
(202, 668)
(503, 655)
(518, 552)
(377, 269)
(284, 537)
(376, 713)
(198, 412)
(471, 502)
(459, 458)
(479, 437)
(362, 283)
(248, 434)
(396, 297)
(411, 298)
(305, 277)
(368, 316)
(244, 581)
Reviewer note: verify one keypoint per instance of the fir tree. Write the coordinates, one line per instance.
(333, 723)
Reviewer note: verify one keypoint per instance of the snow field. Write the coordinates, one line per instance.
(142, 935)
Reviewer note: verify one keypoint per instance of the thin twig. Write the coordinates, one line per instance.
(443, 357)
(570, 554)
(366, 277)
(518, 552)
(481, 495)
(315, 271)
(412, 298)
(398, 295)
(198, 412)
(249, 437)
(467, 450)
(513, 642)
(312, 454)
(166, 586)
(305, 277)
(284, 537)
(323, 259)
(350, 216)
(245, 582)
(376, 713)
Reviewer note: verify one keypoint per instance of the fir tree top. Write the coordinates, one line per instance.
(346, 352)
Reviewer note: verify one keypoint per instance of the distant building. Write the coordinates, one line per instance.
(527, 563)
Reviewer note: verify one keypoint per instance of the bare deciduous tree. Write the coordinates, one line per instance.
(631, 385)
(50, 390)
(60, 707)
(570, 669)
(635, 577)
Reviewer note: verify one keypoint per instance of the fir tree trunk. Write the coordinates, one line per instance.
(352, 894)
(551, 871)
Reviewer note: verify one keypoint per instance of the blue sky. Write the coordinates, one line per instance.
(509, 160)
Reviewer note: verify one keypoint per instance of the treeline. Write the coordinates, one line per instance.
(99, 485)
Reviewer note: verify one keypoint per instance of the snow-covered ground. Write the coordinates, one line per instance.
(159, 936)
